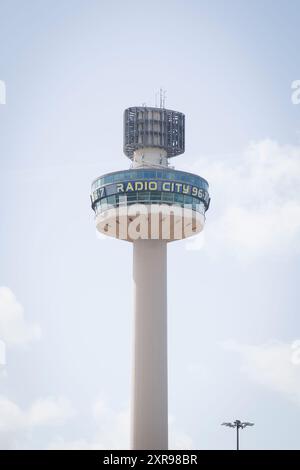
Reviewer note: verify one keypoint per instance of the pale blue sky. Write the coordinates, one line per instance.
(70, 68)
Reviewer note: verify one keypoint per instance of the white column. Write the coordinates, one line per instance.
(148, 156)
(149, 413)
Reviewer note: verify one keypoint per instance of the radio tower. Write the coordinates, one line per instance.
(150, 205)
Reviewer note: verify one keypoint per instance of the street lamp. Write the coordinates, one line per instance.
(238, 425)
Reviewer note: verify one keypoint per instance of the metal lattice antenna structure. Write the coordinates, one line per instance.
(238, 425)
(148, 127)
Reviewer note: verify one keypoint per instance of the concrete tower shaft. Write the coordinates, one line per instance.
(149, 407)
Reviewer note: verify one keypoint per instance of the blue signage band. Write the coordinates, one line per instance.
(128, 187)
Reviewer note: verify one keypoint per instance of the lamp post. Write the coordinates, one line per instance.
(238, 425)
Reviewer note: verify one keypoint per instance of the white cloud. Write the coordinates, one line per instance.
(16, 423)
(59, 443)
(113, 432)
(274, 365)
(178, 439)
(255, 206)
(14, 330)
(48, 411)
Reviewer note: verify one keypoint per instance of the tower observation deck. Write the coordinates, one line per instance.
(149, 205)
